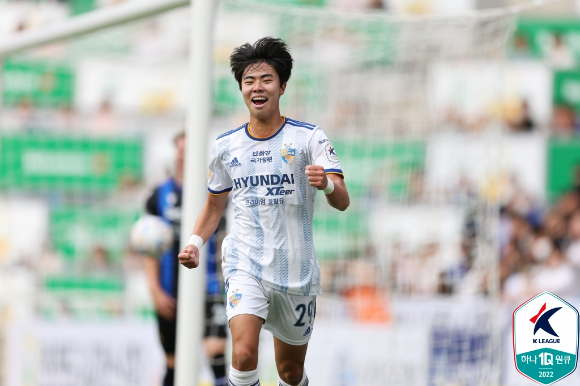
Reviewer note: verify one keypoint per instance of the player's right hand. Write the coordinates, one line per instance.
(189, 257)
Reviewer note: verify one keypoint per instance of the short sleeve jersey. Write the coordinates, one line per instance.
(271, 238)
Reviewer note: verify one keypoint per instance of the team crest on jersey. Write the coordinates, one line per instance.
(235, 299)
(288, 153)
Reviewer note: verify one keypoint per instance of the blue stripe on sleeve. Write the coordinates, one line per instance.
(300, 123)
(231, 131)
(309, 127)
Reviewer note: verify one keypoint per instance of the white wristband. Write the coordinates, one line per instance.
(329, 187)
(196, 240)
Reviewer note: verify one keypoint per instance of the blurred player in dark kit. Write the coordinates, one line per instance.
(162, 275)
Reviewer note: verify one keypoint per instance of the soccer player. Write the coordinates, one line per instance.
(274, 165)
(162, 275)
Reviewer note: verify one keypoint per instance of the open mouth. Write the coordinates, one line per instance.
(259, 101)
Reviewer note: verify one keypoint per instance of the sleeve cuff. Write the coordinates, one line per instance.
(218, 192)
(334, 171)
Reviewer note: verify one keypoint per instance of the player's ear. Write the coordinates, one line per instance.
(282, 88)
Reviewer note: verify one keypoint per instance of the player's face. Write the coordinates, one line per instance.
(261, 90)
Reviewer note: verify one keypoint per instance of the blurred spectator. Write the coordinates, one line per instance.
(50, 263)
(416, 185)
(573, 250)
(540, 247)
(376, 4)
(512, 261)
(556, 275)
(105, 121)
(568, 204)
(150, 43)
(463, 191)
(428, 269)
(99, 262)
(132, 262)
(419, 272)
(541, 255)
(20, 26)
(27, 116)
(108, 3)
(519, 118)
(521, 232)
(365, 298)
(560, 56)
(131, 192)
(519, 202)
(564, 121)
(520, 46)
(66, 119)
(554, 226)
(356, 4)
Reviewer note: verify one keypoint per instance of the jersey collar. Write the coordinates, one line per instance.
(266, 138)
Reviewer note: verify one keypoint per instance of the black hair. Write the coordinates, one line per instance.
(267, 50)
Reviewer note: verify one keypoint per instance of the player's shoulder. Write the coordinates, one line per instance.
(301, 125)
(167, 187)
(164, 185)
(160, 191)
(231, 132)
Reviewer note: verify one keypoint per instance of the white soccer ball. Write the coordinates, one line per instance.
(151, 235)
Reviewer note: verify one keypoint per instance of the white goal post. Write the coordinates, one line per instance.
(190, 318)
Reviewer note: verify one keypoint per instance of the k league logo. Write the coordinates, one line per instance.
(545, 335)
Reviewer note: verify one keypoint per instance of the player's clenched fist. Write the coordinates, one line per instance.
(317, 176)
(189, 257)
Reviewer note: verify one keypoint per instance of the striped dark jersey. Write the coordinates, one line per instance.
(165, 202)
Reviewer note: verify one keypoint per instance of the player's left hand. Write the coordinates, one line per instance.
(317, 176)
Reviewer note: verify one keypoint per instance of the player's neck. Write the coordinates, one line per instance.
(263, 128)
(178, 177)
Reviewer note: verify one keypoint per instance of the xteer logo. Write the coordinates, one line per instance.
(545, 337)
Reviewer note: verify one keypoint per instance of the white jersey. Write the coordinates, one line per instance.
(271, 237)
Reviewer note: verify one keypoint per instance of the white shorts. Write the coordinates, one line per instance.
(289, 318)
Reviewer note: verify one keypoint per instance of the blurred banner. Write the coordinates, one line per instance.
(40, 84)
(73, 353)
(41, 162)
(563, 166)
(555, 40)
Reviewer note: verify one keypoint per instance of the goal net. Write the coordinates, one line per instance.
(412, 106)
